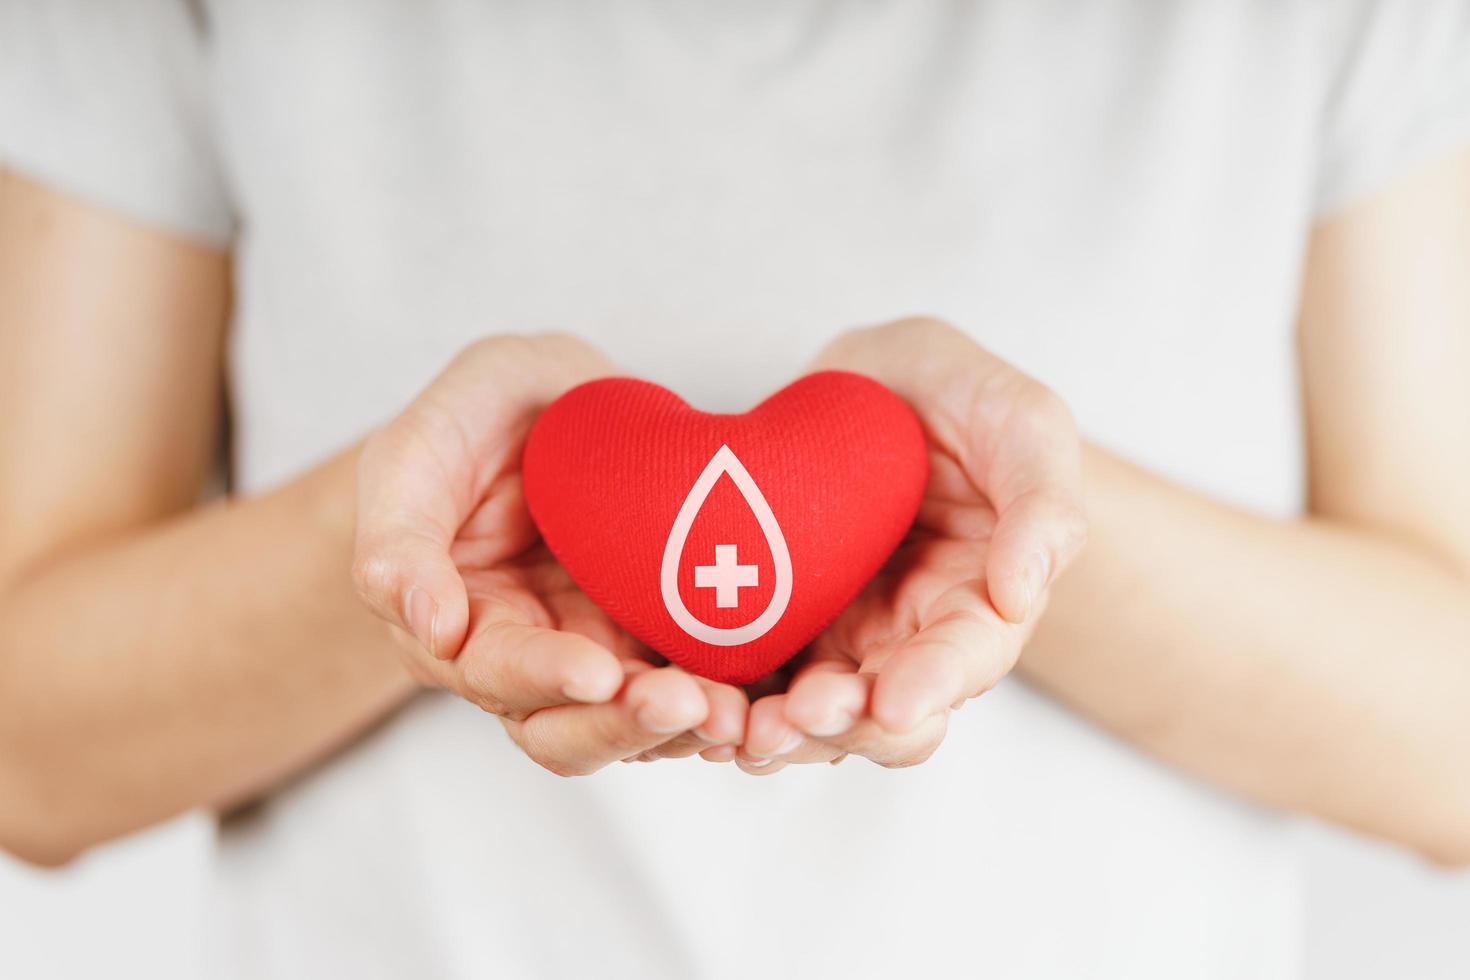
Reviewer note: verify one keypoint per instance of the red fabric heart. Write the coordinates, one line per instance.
(613, 474)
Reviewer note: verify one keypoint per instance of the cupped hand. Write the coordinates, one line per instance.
(946, 619)
(447, 554)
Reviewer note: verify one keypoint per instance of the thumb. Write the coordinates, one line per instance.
(1037, 536)
(410, 581)
(401, 565)
(1033, 477)
(423, 475)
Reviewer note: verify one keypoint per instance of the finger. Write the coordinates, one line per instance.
(1034, 479)
(499, 528)
(831, 707)
(723, 725)
(728, 707)
(654, 706)
(432, 468)
(767, 732)
(759, 767)
(572, 611)
(401, 564)
(892, 751)
(962, 650)
(680, 747)
(513, 668)
(719, 753)
(1035, 540)
(769, 736)
(827, 703)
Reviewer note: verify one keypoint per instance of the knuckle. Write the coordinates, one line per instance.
(492, 704)
(490, 701)
(482, 681)
(558, 338)
(921, 329)
(1066, 529)
(926, 324)
(373, 577)
(486, 353)
(540, 750)
(479, 349)
(382, 457)
(564, 355)
(513, 345)
(1047, 408)
(370, 457)
(576, 358)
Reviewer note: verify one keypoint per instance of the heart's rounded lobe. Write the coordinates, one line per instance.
(725, 542)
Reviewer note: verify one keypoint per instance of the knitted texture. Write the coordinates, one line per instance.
(725, 542)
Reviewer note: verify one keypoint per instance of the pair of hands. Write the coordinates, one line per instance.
(447, 554)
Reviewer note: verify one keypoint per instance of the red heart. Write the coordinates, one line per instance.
(807, 496)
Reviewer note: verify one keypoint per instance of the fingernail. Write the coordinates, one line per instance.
(703, 735)
(790, 744)
(758, 763)
(835, 723)
(421, 613)
(648, 720)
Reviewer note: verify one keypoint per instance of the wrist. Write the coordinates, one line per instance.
(329, 499)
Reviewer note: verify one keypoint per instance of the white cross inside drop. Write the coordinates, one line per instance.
(726, 576)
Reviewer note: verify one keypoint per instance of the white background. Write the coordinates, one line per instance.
(131, 910)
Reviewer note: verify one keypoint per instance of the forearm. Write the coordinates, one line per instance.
(193, 663)
(1306, 664)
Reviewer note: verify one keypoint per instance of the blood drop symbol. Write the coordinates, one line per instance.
(725, 461)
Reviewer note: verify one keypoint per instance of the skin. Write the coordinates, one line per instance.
(446, 553)
(1335, 679)
(143, 671)
(1002, 517)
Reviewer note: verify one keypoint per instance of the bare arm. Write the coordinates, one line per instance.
(157, 656)
(1320, 664)
(153, 656)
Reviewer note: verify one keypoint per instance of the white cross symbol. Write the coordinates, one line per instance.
(726, 576)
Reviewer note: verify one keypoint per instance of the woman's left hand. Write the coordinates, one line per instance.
(947, 617)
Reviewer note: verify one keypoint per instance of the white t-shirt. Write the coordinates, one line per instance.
(1115, 195)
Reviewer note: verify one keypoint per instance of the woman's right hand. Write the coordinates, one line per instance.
(447, 554)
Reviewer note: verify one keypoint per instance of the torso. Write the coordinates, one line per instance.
(709, 199)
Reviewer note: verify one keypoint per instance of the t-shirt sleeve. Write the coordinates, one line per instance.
(108, 102)
(1399, 96)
